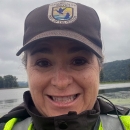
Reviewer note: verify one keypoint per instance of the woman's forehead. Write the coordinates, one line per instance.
(59, 43)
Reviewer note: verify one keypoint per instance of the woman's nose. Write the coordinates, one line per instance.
(61, 79)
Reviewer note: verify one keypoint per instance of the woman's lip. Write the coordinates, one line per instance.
(63, 101)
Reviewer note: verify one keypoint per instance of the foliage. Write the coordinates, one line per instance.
(23, 84)
(129, 71)
(101, 75)
(8, 81)
(117, 71)
(1, 82)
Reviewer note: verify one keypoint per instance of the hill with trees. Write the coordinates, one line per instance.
(22, 84)
(8, 81)
(116, 71)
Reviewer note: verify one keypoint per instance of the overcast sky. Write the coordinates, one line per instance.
(115, 22)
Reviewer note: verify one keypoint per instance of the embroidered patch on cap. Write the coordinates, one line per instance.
(62, 12)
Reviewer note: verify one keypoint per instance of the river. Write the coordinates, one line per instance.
(9, 98)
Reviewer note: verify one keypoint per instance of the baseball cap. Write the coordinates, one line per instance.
(63, 19)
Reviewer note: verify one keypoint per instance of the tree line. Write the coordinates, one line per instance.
(8, 81)
(116, 71)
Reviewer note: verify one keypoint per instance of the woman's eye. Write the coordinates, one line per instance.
(43, 63)
(79, 61)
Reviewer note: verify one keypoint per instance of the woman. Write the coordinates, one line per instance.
(63, 57)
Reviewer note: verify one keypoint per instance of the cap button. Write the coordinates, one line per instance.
(63, 125)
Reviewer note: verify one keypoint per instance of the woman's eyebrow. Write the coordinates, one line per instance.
(42, 50)
(77, 49)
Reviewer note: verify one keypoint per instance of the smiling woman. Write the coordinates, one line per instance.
(53, 72)
(62, 59)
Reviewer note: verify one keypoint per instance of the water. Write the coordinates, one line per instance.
(118, 85)
(10, 98)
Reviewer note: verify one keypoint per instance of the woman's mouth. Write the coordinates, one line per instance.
(63, 100)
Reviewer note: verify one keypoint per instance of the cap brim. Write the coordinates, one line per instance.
(66, 34)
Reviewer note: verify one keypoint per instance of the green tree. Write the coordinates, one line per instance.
(101, 75)
(10, 81)
(1, 82)
(129, 72)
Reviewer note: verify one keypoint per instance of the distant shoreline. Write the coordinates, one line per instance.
(116, 82)
(13, 88)
(100, 84)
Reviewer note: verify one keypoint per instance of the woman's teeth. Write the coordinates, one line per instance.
(66, 99)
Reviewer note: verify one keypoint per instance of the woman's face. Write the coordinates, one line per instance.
(63, 76)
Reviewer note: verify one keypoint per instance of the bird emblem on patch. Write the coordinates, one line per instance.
(62, 12)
